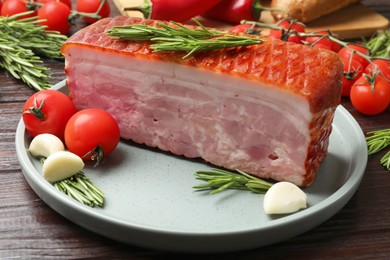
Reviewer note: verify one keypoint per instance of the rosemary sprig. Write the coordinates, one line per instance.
(141, 32)
(376, 142)
(180, 38)
(29, 34)
(22, 42)
(196, 45)
(379, 45)
(23, 64)
(219, 180)
(80, 188)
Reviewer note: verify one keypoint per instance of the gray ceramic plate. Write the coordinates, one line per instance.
(150, 201)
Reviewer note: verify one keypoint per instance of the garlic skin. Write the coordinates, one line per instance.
(284, 198)
(44, 145)
(61, 165)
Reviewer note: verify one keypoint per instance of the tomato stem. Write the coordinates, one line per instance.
(286, 33)
(97, 155)
(95, 15)
(35, 110)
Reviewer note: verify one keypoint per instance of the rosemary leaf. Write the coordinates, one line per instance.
(385, 161)
(376, 142)
(219, 180)
(223, 187)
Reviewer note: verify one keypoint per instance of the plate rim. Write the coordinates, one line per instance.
(66, 206)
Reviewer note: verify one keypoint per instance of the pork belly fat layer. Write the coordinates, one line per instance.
(226, 120)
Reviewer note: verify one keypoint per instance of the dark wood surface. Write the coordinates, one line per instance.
(29, 229)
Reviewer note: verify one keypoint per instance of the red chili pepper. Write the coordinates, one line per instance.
(173, 10)
(233, 11)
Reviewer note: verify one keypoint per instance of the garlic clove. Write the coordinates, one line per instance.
(44, 145)
(284, 198)
(61, 165)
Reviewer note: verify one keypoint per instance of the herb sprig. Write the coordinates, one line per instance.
(219, 180)
(376, 142)
(23, 64)
(141, 32)
(177, 37)
(80, 188)
(21, 45)
(379, 45)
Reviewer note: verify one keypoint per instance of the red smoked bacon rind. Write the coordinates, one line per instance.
(311, 73)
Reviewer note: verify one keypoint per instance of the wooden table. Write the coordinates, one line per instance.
(29, 229)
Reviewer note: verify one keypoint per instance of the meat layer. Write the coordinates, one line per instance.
(265, 109)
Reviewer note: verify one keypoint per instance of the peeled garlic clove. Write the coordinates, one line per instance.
(284, 198)
(44, 145)
(61, 165)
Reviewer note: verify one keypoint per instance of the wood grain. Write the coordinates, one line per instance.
(29, 229)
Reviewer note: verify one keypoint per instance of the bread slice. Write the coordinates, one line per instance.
(308, 10)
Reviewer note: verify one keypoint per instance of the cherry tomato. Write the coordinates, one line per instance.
(351, 72)
(287, 34)
(67, 2)
(47, 111)
(91, 6)
(381, 65)
(11, 7)
(92, 134)
(368, 102)
(56, 16)
(321, 42)
(346, 52)
(336, 47)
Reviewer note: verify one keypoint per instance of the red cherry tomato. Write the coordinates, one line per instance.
(321, 42)
(91, 6)
(379, 65)
(92, 134)
(11, 7)
(368, 101)
(67, 2)
(336, 47)
(287, 33)
(56, 16)
(351, 72)
(346, 53)
(47, 111)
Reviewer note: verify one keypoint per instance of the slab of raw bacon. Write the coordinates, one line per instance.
(266, 109)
